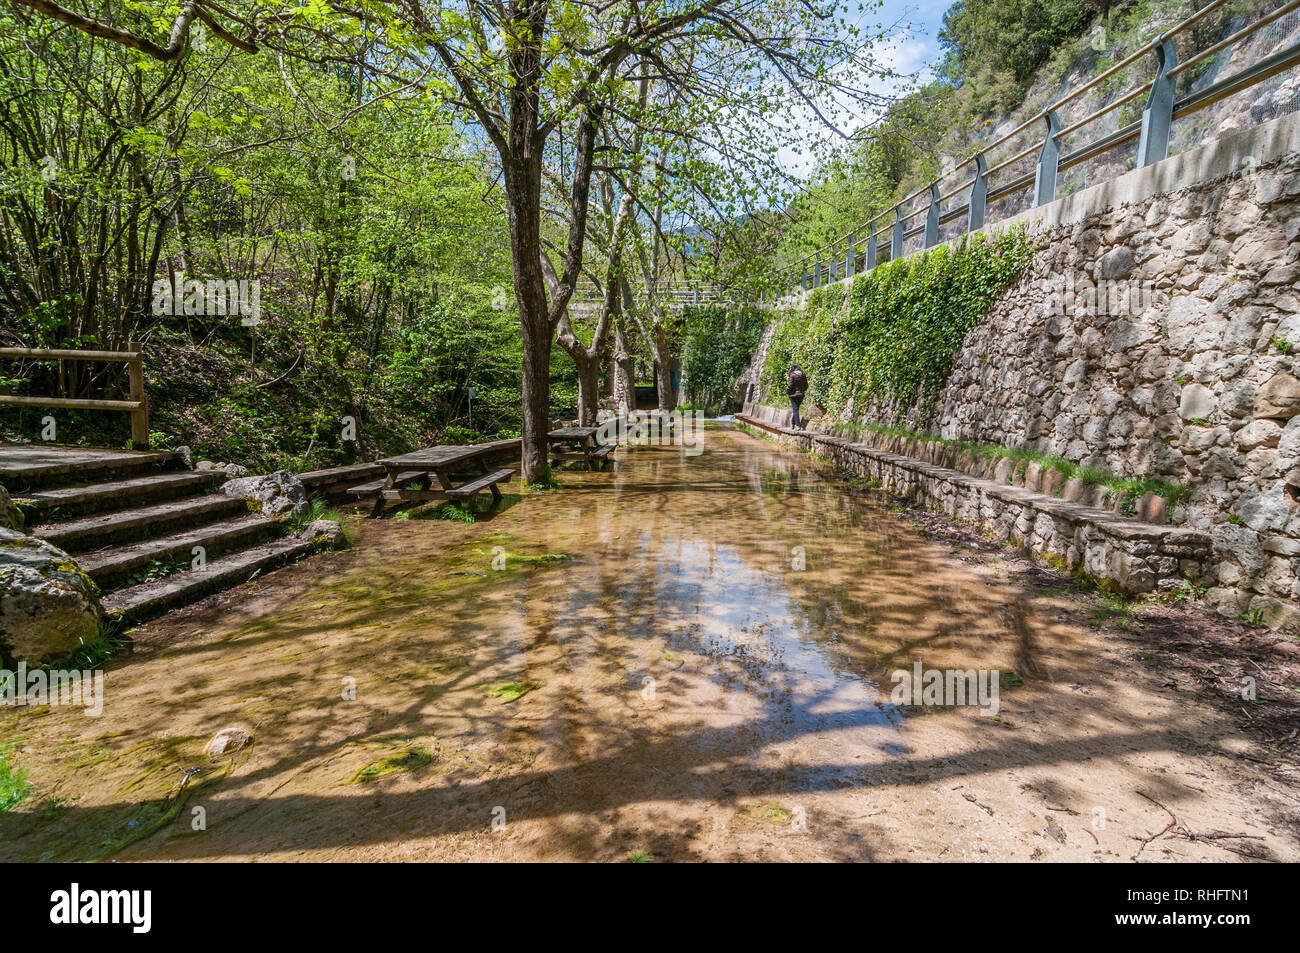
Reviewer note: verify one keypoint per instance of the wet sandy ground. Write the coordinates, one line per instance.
(676, 689)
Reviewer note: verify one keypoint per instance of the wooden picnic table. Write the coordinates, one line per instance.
(578, 443)
(423, 466)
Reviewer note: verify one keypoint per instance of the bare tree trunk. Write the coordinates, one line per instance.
(666, 366)
(588, 388)
(624, 373)
(523, 191)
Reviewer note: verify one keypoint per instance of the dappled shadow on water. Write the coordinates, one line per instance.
(723, 630)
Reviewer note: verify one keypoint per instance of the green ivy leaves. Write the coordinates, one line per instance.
(903, 323)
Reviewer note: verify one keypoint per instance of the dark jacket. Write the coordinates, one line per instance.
(798, 383)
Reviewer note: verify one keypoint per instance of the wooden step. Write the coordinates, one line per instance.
(96, 498)
(153, 598)
(126, 526)
(487, 480)
(112, 566)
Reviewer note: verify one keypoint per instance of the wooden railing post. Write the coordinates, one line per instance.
(140, 417)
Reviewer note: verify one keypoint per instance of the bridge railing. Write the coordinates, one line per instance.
(673, 295)
(137, 405)
(861, 249)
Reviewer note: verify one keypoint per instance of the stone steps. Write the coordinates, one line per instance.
(149, 599)
(125, 516)
(25, 468)
(127, 526)
(45, 505)
(112, 567)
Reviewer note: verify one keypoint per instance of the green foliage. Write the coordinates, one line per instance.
(13, 780)
(893, 340)
(379, 241)
(998, 44)
(455, 513)
(719, 344)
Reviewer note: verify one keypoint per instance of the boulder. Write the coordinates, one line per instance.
(327, 529)
(280, 495)
(232, 470)
(185, 455)
(11, 517)
(228, 739)
(48, 607)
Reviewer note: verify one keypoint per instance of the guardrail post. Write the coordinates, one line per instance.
(850, 260)
(979, 195)
(139, 418)
(1048, 160)
(817, 274)
(871, 252)
(803, 279)
(830, 268)
(1159, 113)
(896, 242)
(932, 218)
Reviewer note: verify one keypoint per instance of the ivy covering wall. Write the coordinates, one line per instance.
(903, 323)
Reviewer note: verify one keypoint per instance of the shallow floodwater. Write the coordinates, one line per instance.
(704, 675)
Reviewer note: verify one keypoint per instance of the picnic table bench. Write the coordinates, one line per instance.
(578, 443)
(442, 463)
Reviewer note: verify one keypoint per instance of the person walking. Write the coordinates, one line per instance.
(798, 387)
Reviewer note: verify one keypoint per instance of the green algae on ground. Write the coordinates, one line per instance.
(141, 825)
(770, 812)
(509, 691)
(409, 760)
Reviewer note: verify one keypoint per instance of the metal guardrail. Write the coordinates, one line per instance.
(137, 406)
(850, 254)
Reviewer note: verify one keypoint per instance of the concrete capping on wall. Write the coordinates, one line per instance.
(1132, 556)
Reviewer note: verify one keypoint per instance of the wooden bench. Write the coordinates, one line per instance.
(374, 486)
(602, 451)
(487, 480)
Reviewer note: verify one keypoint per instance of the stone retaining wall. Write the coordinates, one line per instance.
(1153, 337)
(1132, 556)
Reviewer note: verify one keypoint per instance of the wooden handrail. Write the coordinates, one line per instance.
(137, 406)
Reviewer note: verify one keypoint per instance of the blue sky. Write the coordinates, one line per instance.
(912, 51)
(920, 46)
